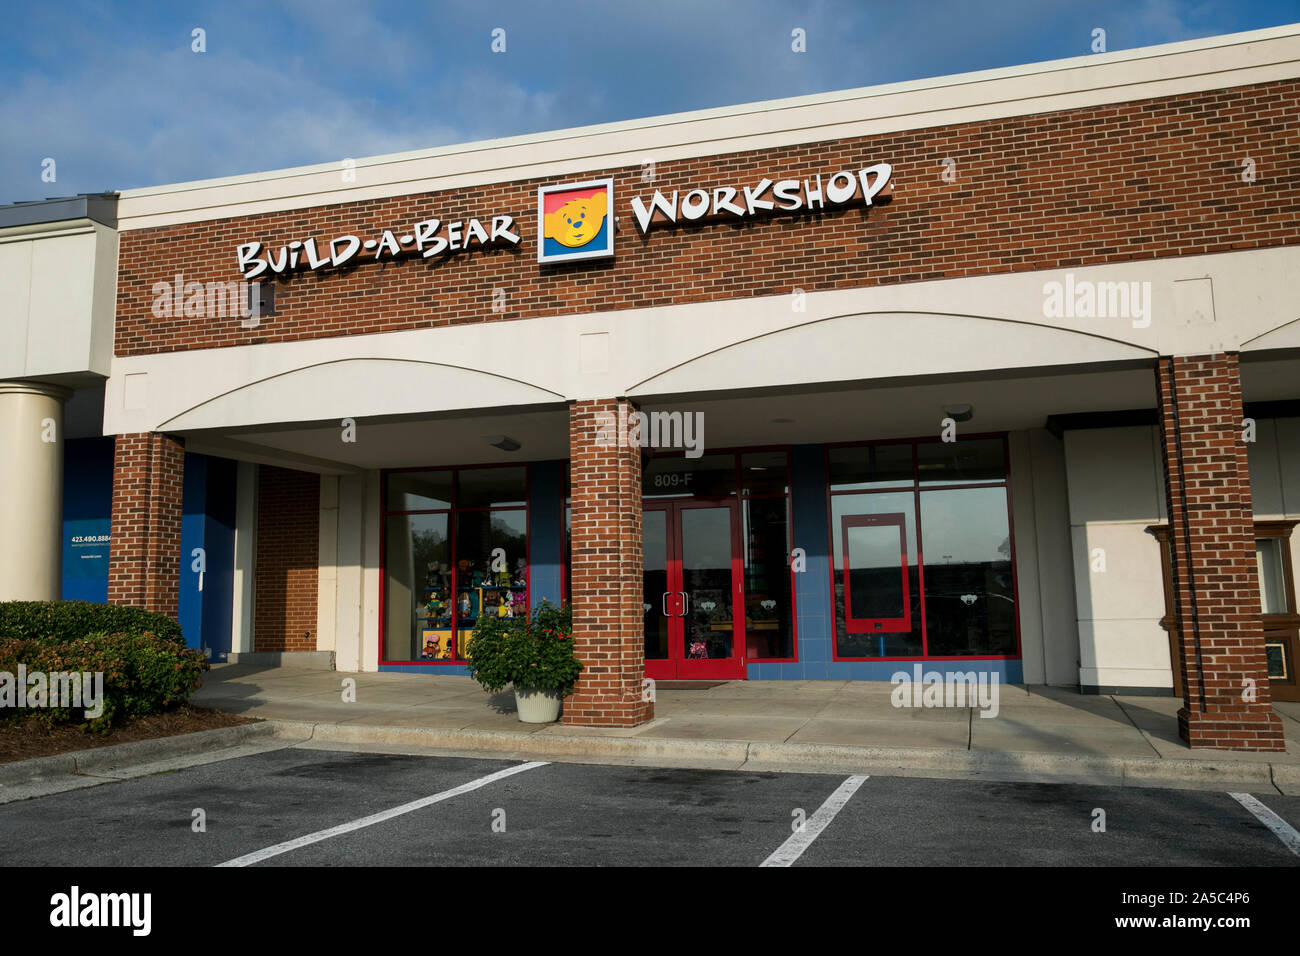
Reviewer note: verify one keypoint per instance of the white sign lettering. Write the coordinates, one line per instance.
(786, 195)
(431, 237)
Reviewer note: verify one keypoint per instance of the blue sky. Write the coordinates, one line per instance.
(115, 95)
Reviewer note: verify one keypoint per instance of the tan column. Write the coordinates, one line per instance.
(31, 491)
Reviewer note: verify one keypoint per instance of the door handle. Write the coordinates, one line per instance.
(665, 604)
(686, 603)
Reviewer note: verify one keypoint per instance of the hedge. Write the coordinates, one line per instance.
(145, 664)
(143, 674)
(69, 620)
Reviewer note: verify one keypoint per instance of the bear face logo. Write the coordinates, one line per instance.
(575, 221)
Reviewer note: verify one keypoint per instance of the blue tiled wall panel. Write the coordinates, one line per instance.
(1009, 672)
(423, 669)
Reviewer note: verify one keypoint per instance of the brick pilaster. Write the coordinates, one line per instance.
(1226, 700)
(144, 557)
(608, 636)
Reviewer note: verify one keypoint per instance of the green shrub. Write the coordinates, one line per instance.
(68, 620)
(143, 673)
(535, 653)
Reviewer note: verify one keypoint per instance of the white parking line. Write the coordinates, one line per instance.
(270, 851)
(1281, 829)
(793, 848)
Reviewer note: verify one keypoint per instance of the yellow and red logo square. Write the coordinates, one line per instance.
(575, 221)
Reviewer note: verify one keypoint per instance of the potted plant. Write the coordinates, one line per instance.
(534, 654)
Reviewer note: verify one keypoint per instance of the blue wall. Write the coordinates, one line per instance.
(207, 521)
(87, 504)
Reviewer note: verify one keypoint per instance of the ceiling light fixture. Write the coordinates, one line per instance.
(960, 412)
(504, 442)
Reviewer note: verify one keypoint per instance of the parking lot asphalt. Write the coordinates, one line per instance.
(304, 807)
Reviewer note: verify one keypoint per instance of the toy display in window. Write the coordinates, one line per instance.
(437, 576)
(437, 646)
(502, 578)
(518, 605)
(436, 607)
(463, 606)
(521, 573)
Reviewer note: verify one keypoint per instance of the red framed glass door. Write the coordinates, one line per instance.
(693, 585)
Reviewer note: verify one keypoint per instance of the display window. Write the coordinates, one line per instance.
(455, 548)
(921, 550)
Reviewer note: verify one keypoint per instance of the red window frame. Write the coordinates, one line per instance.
(452, 511)
(915, 489)
(872, 625)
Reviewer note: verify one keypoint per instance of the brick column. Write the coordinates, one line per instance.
(608, 636)
(1226, 700)
(288, 560)
(144, 558)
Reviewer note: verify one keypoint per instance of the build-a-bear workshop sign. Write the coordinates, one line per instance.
(577, 221)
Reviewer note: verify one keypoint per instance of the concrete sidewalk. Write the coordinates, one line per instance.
(1038, 733)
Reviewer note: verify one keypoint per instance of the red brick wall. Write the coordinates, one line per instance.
(144, 549)
(608, 621)
(1058, 190)
(1216, 585)
(288, 542)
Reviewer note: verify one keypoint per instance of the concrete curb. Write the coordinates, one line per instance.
(729, 754)
(717, 754)
(101, 759)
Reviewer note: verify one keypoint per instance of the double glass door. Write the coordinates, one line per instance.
(694, 602)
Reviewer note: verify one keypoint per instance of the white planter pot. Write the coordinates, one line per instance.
(537, 706)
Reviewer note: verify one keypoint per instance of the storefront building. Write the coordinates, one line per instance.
(993, 373)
